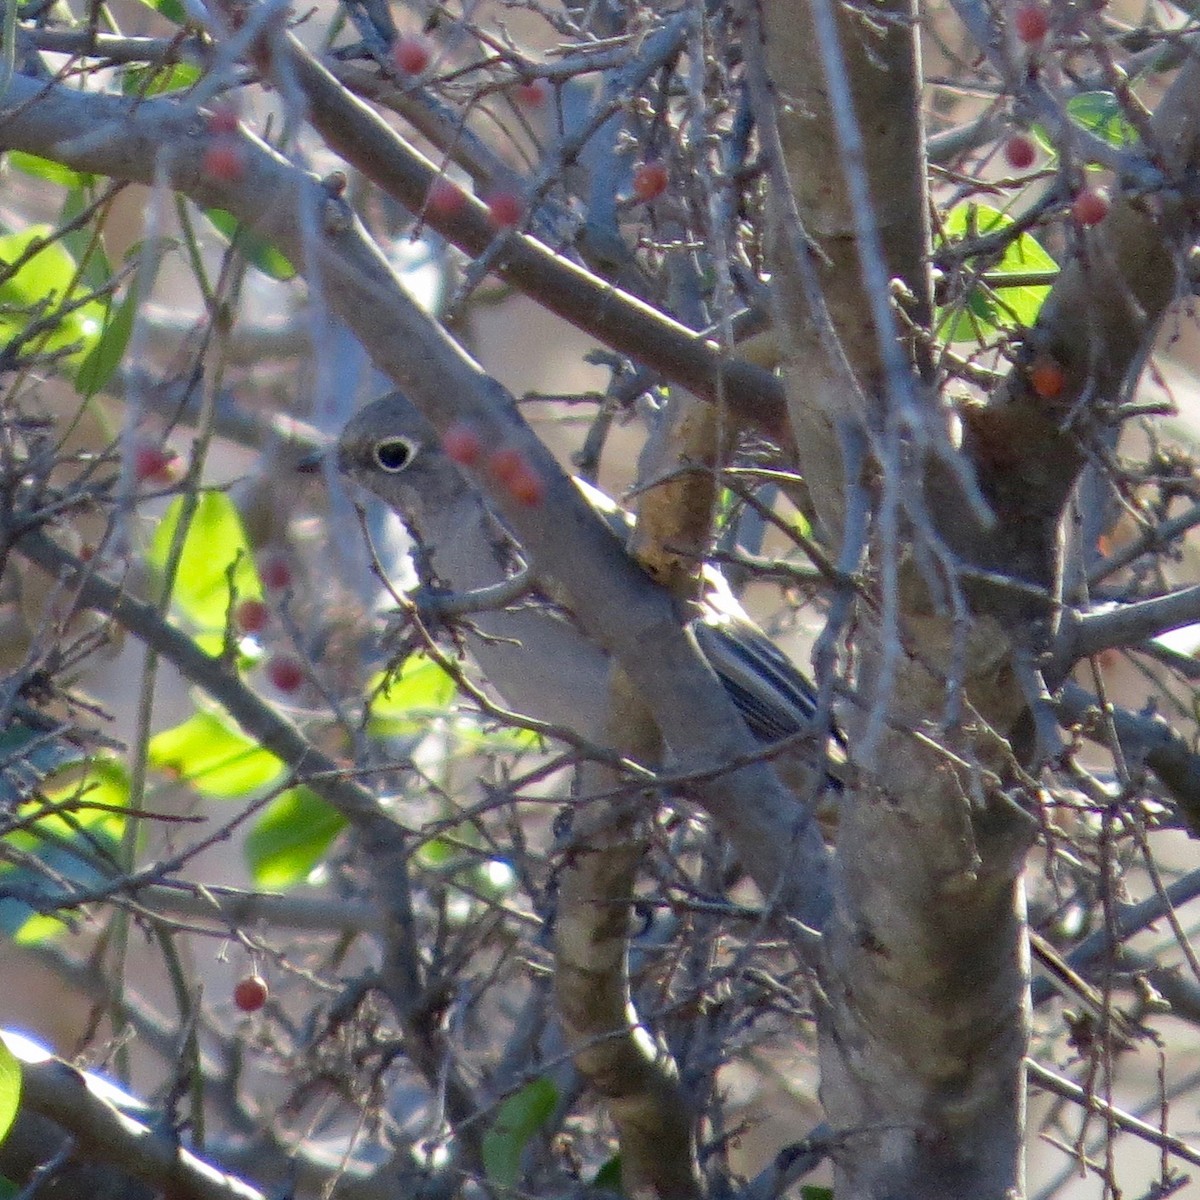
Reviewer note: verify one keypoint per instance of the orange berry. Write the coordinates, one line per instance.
(251, 993)
(412, 54)
(533, 93)
(1047, 378)
(462, 444)
(526, 487)
(505, 209)
(650, 180)
(1031, 23)
(224, 159)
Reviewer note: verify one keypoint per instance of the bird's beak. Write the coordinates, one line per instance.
(314, 463)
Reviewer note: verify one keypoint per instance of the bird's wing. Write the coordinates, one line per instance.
(774, 698)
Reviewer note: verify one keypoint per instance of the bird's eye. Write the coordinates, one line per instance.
(394, 454)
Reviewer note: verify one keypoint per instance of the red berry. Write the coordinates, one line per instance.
(275, 572)
(445, 198)
(650, 180)
(1031, 23)
(505, 209)
(412, 54)
(250, 615)
(1090, 206)
(251, 993)
(1020, 151)
(285, 672)
(224, 159)
(533, 93)
(462, 444)
(527, 487)
(223, 119)
(153, 464)
(518, 478)
(506, 464)
(1047, 378)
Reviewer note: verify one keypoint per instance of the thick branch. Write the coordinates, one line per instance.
(59, 1092)
(619, 1056)
(923, 1023)
(1123, 625)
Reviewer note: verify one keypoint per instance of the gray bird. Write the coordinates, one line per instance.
(542, 664)
(534, 656)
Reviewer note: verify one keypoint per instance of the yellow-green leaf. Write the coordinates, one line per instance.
(996, 306)
(519, 1118)
(214, 543)
(48, 169)
(254, 249)
(402, 702)
(10, 1089)
(103, 787)
(215, 758)
(291, 837)
(39, 288)
(99, 365)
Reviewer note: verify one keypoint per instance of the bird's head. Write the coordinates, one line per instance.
(392, 450)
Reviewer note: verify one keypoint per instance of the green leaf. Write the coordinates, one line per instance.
(72, 843)
(39, 928)
(30, 750)
(1100, 113)
(435, 852)
(469, 738)
(291, 837)
(48, 169)
(215, 541)
(173, 10)
(41, 286)
(801, 524)
(154, 81)
(86, 817)
(103, 786)
(609, 1175)
(85, 244)
(402, 702)
(991, 308)
(105, 357)
(255, 249)
(1097, 112)
(519, 1118)
(215, 758)
(815, 1191)
(10, 1089)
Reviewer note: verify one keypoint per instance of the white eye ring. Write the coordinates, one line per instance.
(394, 454)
